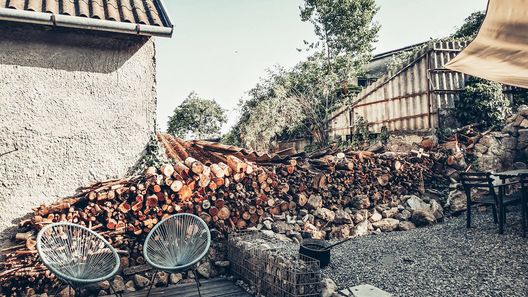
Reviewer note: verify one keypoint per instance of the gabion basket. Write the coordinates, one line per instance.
(273, 267)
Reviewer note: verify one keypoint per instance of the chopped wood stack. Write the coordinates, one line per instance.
(228, 194)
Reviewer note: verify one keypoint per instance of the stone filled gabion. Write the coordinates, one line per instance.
(271, 267)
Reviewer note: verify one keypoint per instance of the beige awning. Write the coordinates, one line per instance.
(500, 50)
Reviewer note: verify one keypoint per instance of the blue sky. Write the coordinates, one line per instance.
(220, 48)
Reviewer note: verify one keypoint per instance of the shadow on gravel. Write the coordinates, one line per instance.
(442, 260)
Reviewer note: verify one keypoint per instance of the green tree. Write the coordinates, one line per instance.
(197, 117)
(290, 104)
(267, 113)
(297, 102)
(345, 29)
(482, 102)
(471, 25)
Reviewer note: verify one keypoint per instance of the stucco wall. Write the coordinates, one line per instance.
(78, 106)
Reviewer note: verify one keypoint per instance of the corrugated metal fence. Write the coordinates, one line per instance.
(410, 98)
(419, 96)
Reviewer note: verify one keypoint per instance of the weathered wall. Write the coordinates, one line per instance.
(298, 144)
(76, 106)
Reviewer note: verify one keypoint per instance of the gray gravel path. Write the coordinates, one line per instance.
(443, 260)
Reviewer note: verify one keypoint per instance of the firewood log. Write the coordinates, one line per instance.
(196, 166)
(236, 164)
(167, 170)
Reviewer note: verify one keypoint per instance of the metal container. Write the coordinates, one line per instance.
(316, 249)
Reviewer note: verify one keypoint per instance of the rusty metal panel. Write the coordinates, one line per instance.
(340, 122)
(418, 97)
(409, 98)
(399, 102)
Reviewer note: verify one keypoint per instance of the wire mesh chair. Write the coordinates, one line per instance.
(176, 244)
(77, 255)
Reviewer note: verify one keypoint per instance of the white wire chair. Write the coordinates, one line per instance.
(176, 244)
(77, 255)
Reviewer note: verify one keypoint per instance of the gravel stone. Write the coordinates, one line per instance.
(441, 260)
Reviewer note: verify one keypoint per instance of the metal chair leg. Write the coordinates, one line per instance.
(524, 217)
(468, 215)
(151, 283)
(502, 216)
(60, 289)
(494, 209)
(197, 279)
(112, 289)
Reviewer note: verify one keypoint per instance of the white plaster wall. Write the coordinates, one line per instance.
(79, 106)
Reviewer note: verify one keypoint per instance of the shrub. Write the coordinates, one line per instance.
(520, 97)
(482, 102)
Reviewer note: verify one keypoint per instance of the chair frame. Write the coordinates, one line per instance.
(478, 180)
(523, 178)
(484, 180)
(77, 283)
(177, 268)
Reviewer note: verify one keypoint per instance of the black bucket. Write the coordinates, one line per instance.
(316, 249)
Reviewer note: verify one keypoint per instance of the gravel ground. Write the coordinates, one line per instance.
(443, 260)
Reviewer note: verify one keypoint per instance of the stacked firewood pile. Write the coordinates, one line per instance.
(330, 195)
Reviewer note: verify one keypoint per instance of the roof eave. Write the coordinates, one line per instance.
(59, 20)
(165, 13)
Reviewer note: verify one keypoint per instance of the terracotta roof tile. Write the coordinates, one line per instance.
(148, 12)
(51, 6)
(126, 10)
(16, 4)
(212, 152)
(68, 7)
(34, 5)
(139, 9)
(84, 9)
(97, 9)
(112, 9)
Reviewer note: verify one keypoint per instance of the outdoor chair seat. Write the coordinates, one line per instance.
(77, 255)
(176, 244)
(498, 202)
(507, 200)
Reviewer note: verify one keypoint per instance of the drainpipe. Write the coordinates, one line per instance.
(59, 20)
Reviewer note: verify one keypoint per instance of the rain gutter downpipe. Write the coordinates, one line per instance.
(59, 20)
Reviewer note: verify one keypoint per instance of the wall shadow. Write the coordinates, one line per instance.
(67, 49)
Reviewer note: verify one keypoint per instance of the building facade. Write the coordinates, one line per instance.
(77, 96)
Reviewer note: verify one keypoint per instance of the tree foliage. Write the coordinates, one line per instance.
(519, 97)
(471, 25)
(291, 103)
(482, 102)
(345, 29)
(197, 117)
(298, 101)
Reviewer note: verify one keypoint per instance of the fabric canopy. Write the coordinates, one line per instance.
(500, 50)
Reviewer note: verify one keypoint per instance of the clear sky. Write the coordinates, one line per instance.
(220, 48)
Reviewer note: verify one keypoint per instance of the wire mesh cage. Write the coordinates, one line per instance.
(273, 267)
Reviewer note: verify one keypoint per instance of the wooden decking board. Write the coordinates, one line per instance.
(209, 288)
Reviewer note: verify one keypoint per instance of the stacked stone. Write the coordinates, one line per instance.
(508, 148)
(497, 151)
